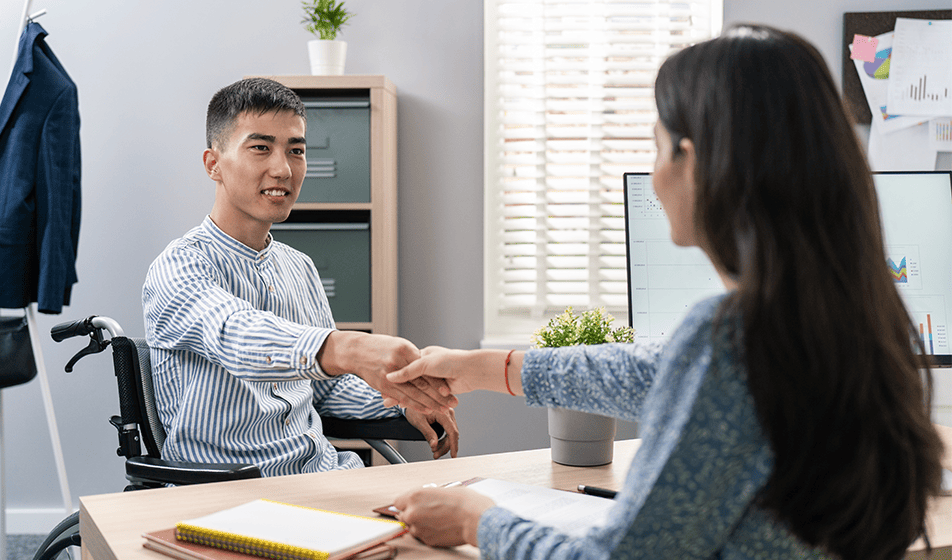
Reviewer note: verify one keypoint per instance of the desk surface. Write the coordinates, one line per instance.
(112, 524)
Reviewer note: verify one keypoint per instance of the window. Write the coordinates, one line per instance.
(569, 107)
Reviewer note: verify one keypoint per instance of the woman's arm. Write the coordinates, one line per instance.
(609, 379)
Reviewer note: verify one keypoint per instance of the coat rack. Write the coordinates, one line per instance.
(30, 313)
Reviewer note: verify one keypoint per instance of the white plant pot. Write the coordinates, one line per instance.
(581, 439)
(327, 57)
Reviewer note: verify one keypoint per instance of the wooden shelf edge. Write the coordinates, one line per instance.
(346, 81)
(355, 326)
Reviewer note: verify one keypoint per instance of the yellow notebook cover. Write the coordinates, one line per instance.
(288, 532)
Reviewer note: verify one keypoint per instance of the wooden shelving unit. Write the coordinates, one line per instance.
(382, 207)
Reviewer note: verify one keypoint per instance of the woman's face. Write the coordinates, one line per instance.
(673, 182)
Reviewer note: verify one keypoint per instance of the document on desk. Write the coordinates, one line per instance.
(572, 513)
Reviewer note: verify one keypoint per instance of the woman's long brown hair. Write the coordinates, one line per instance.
(786, 205)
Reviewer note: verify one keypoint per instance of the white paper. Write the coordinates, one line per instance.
(876, 90)
(304, 527)
(569, 512)
(920, 73)
(904, 150)
(940, 134)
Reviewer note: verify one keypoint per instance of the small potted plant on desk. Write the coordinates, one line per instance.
(324, 18)
(581, 439)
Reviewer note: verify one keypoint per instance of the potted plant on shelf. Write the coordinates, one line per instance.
(577, 438)
(324, 18)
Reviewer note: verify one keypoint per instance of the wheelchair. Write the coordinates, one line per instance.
(141, 435)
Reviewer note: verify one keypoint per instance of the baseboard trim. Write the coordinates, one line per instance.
(33, 521)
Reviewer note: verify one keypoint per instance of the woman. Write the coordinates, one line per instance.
(784, 419)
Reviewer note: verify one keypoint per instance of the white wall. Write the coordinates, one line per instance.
(145, 72)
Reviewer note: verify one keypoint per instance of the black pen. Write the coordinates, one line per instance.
(596, 491)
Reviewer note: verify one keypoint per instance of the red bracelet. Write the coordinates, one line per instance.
(505, 372)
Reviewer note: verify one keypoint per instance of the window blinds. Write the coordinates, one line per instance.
(569, 109)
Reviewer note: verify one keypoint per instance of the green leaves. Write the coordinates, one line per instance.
(324, 17)
(591, 327)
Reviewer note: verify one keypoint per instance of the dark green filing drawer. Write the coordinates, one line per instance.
(338, 150)
(341, 253)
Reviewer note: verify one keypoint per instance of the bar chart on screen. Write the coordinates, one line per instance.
(928, 314)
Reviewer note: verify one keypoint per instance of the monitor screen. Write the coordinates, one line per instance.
(665, 280)
(916, 210)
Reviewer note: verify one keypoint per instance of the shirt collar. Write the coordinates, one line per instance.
(232, 245)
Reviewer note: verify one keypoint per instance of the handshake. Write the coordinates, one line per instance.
(424, 381)
(389, 365)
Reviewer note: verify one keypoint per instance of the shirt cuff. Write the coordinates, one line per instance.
(305, 352)
(535, 382)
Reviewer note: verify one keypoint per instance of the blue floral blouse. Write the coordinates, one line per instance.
(691, 487)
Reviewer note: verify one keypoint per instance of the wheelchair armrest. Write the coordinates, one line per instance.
(182, 472)
(385, 428)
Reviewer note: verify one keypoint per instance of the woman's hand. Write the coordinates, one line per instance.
(463, 370)
(443, 516)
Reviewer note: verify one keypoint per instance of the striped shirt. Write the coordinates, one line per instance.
(235, 334)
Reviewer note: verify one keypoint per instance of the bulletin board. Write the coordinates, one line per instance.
(870, 24)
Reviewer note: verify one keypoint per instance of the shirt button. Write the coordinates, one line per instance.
(303, 360)
(271, 289)
(287, 421)
(267, 359)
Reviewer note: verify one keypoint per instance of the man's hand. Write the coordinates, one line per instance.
(372, 356)
(439, 446)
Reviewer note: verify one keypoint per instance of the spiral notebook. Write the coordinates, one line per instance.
(288, 532)
(164, 542)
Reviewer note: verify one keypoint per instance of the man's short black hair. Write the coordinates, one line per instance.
(256, 95)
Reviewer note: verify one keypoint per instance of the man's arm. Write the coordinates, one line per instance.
(186, 307)
(372, 356)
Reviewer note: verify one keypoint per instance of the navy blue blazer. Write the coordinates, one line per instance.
(39, 179)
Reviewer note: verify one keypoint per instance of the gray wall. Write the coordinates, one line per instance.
(145, 72)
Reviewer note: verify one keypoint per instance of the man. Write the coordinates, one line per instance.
(244, 351)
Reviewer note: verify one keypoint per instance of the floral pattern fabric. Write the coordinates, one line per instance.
(692, 485)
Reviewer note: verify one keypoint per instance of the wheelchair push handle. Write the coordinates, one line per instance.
(83, 327)
(92, 326)
(79, 327)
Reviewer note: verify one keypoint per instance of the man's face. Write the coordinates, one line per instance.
(259, 171)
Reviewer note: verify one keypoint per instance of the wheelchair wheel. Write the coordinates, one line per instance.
(59, 541)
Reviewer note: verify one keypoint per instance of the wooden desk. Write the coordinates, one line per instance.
(111, 524)
(940, 515)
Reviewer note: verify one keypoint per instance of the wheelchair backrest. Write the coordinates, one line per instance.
(133, 366)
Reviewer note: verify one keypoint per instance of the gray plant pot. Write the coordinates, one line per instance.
(580, 439)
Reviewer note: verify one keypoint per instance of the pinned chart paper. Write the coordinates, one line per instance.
(920, 73)
(940, 134)
(874, 77)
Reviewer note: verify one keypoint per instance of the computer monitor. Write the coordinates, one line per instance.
(665, 281)
(916, 210)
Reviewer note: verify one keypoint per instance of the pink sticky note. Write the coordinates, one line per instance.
(864, 48)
